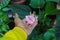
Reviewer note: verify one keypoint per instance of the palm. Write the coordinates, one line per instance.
(23, 24)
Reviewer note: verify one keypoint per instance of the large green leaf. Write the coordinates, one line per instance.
(37, 3)
(22, 10)
(51, 9)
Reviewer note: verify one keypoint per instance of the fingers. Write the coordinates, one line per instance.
(31, 14)
(17, 20)
(34, 24)
(26, 23)
(16, 15)
(30, 26)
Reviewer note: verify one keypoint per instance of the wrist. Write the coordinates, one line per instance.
(27, 30)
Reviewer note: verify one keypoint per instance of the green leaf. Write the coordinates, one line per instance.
(48, 22)
(4, 3)
(41, 15)
(37, 3)
(1, 35)
(22, 10)
(3, 29)
(52, 0)
(5, 9)
(3, 18)
(50, 34)
(50, 9)
(39, 37)
(5, 26)
(52, 30)
(1, 13)
(58, 21)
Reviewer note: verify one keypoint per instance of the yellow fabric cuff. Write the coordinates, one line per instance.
(21, 31)
(16, 34)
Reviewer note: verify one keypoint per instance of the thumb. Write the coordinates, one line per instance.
(17, 17)
(17, 20)
(31, 14)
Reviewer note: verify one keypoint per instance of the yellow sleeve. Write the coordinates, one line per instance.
(15, 34)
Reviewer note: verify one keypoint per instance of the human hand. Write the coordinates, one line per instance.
(25, 25)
